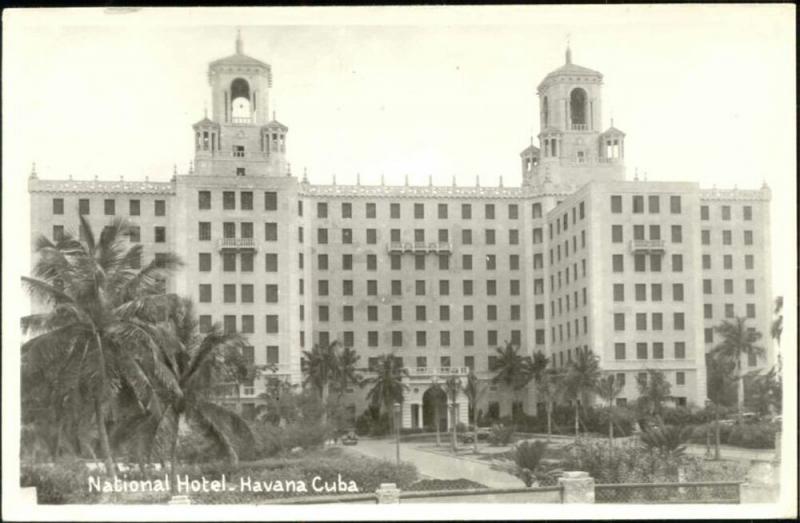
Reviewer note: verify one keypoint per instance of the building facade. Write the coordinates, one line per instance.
(577, 258)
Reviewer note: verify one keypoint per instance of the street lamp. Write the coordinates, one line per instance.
(397, 429)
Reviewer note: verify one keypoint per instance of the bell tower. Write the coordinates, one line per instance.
(240, 139)
(570, 143)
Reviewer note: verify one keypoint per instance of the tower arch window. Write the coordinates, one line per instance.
(240, 100)
(577, 109)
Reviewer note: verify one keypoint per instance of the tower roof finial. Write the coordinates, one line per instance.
(569, 51)
(239, 45)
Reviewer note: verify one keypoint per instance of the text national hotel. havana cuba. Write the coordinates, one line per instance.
(577, 258)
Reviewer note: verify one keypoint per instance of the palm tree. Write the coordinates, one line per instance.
(320, 367)
(203, 363)
(473, 390)
(347, 370)
(738, 340)
(654, 391)
(512, 369)
(580, 381)
(777, 324)
(549, 387)
(100, 326)
(452, 386)
(387, 387)
(608, 388)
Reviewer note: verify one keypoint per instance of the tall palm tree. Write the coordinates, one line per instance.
(100, 326)
(386, 386)
(738, 340)
(347, 370)
(512, 369)
(776, 329)
(580, 381)
(608, 388)
(452, 386)
(654, 391)
(203, 362)
(320, 368)
(474, 390)
(549, 387)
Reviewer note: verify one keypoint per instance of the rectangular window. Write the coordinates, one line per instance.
(641, 321)
(619, 321)
(641, 291)
(706, 261)
(616, 204)
(347, 236)
(727, 238)
(205, 293)
(246, 199)
(680, 350)
(705, 237)
(677, 292)
(372, 287)
(641, 351)
(204, 261)
(747, 213)
(466, 236)
(422, 338)
(109, 207)
(248, 324)
(677, 263)
(748, 237)
(83, 206)
(347, 210)
(397, 313)
(271, 291)
(751, 310)
(419, 262)
(619, 292)
(491, 287)
(419, 211)
(228, 200)
(707, 286)
(708, 311)
(748, 261)
(658, 350)
(653, 202)
(489, 235)
(247, 230)
(322, 210)
(616, 234)
(203, 200)
(442, 211)
(513, 211)
(675, 204)
(372, 313)
(469, 313)
(639, 263)
(726, 212)
(271, 202)
(658, 321)
(728, 286)
(394, 210)
(727, 261)
(678, 321)
(58, 206)
(271, 262)
(229, 324)
(229, 262)
(489, 211)
(467, 288)
(704, 212)
(371, 210)
(617, 262)
(272, 323)
(750, 286)
(419, 287)
(638, 204)
(322, 236)
(655, 292)
(322, 287)
(229, 293)
(677, 234)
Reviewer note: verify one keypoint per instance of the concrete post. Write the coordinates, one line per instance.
(388, 493)
(577, 487)
(761, 484)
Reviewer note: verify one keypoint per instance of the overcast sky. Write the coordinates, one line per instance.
(704, 93)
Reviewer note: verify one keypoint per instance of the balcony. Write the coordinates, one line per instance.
(437, 372)
(236, 244)
(420, 247)
(579, 127)
(647, 246)
(241, 120)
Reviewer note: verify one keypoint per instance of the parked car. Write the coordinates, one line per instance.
(350, 438)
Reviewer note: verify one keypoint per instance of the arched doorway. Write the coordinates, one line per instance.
(434, 404)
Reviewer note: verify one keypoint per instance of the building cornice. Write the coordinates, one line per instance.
(103, 187)
(735, 194)
(410, 191)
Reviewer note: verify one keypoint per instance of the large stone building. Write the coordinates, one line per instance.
(577, 258)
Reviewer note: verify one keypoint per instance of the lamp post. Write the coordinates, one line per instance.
(397, 430)
(714, 407)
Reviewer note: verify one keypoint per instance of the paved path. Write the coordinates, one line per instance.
(436, 466)
(732, 453)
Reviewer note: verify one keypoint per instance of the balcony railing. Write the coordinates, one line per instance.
(236, 244)
(647, 245)
(579, 127)
(420, 247)
(441, 371)
(241, 120)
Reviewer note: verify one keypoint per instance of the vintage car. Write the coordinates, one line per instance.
(350, 438)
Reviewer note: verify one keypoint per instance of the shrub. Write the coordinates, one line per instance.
(500, 434)
(527, 456)
(753, 436)
(669, 440)
(58, 483)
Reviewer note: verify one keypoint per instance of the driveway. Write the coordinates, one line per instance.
(437, 466)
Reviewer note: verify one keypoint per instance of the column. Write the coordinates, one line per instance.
(578, 487)
(405, 415)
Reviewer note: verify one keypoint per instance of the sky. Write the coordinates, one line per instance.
(704, 93)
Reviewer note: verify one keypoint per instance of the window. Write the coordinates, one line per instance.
(109, 207)
(372, 338)
(491, 263)
(490, 240)
(655, 292)
(442, 211)
(709, 335)
(372, 236)
(619, 292)
(747, 213)
(419, 211)
(704, 212)
(658, 321)
(272, 323)
(322, 236)
(677, 234)
(707, 286)
(347, 287)
(705, 237)
(675, 204)
(160, 234)
(347, 313)
(372, 262)
(419, 287)
(322, 210)
(83, 206)
(489, 211)
(247, 261)
(658, 350)
(641, 291)
(491, 287)
(271, 202)
(536, 210)
(394, 210)
(322, 287)
(467, 288)
(638, 232)
(727, 261)
(372, 313)
(271, 291)
(677, 292)
(513, 237)
(229, 324)
(641, 351)
(638, 204)
(619, 321)
(205, 293)
(677, 263)
(750, 286)
(347, 210)
(641, 321)
(616, 204)
(655, 262)
(372, 287)
(708, 311)
(537, 236)
(396, 288)
(204, 261)
(203, 200)
(653, 202)
(271, 262)
(619, 351)
(229, 293)
(748, 261)
(616, 234)
(58, 205)
(229, 262)
(751, 310)
(370, 210)
(728, 286)
(680, 350)
(726, 238)
(397, 313)
(491, 338)
(421, 338)
(513, 211)
(617, 262)
(444, 287)
(228, 200)
(466, 236)
(347, 236)
(639, 263)
(726, 212)
(748, 237)
(678, 321)
(419, 262)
